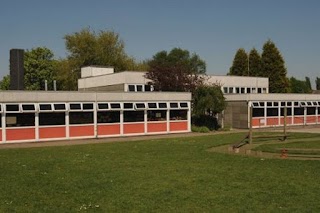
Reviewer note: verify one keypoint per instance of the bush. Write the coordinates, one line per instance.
(202, 129)
(205, 120)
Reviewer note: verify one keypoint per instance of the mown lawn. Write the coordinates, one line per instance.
(168, 175)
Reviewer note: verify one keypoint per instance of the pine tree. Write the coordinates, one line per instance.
(240, 64)
(273, 67)
(254, 63)
(318, 83)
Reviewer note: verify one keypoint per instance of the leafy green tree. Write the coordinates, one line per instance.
(104, 48)
(273, 67)
(39, 66)
(298, 86)
(254, 63)
(318, 83)
(177, 70)
(66, 76)
(240, 64)
(308, 84)
(208, 99)
(5, 83)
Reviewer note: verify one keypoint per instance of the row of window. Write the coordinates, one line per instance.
(270, 112)
(139, 88)
(286, 104)
(59, 118)
(243, 90)
(62, 107)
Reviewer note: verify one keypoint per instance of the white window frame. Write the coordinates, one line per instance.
(25, 111)
(42, 110)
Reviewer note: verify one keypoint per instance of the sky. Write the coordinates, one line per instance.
(213, 29)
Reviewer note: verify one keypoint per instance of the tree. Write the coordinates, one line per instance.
(308, 84)
(104, 48)
(318, 83)
(273, 67)
(39, 66)
(176, 70)
(5, 83)
(298, 86)
(254, 63)
(240, 63)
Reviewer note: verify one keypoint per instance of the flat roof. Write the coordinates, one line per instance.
(272, 97)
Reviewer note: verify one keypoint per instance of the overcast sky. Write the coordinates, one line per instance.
(212, 29)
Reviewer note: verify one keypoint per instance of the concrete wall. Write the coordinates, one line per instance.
(239, 81)
(236, 115)
(113, 88)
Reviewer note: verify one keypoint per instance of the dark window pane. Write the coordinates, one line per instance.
(147, 88)
(87, 106)
(255, 104)
(59, 106)
(269, 103)
(128, 105)
(157, 115)
(272, 112)
(103, 106)
(242, 90)
(173, 105)
(139, 88)
(12, 107)
(258, 112)
(289, 103)
(115, 106)
(109, 117)
(152, 105)
(140, 106)
(275, 103)
(27, 107)
(45, 107)
(259, 90)
(248, 90)
(225, 89)
(162, 105)
(81, 117)
(178, 114)
(75, 106)
(298, 111)
(53, 118)
(131, 88)
(311, 110)
(289, 111)
(261, 104)
(184, 105)
(20, 119)
(133, 116)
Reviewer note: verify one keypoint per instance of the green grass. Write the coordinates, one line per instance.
(168, 175)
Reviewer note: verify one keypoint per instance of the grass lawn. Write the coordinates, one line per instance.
(167, 175)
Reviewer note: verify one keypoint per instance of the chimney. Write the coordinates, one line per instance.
(16, 69)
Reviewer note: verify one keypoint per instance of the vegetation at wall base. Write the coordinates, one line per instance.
(205, 120)
(167, 175)
(201, 129)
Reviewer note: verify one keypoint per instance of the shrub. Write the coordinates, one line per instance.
(206, 120)
(202, 129)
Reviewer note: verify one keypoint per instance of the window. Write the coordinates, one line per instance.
(258, 112)
(59, 107)
(311, 110)
(20, 119)
(28, 107)
(261, 104)
(128, 106)
(275, 104)
(230, 89)
(152, 105)
(115, 106)
(272, 112)
(162, 105)
(178, 114)
(225, 90)
(108, 117)
(237, 90)
(12, 107)
(81, 117)
(45, 107)
(259, 90)
(131, 88)
(183, 105)
(289, 111)
(103, 106)
(140, 106)
(254, 90)
(87, 106)
(133, 116)
(269, 103)
(52, 118)
(174, 105)
(255, 104)
(147, 88)
(75, 106)
(139, 88)
(248, 90)
(264, 90)
(298, 111)
(157, 115)
(242, 90)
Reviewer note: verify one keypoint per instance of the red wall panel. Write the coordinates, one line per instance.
(157, 127)
(178, 126)
(20, 134)
(110, 129)
(52, 132)
(81, 131)
(133, 128)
